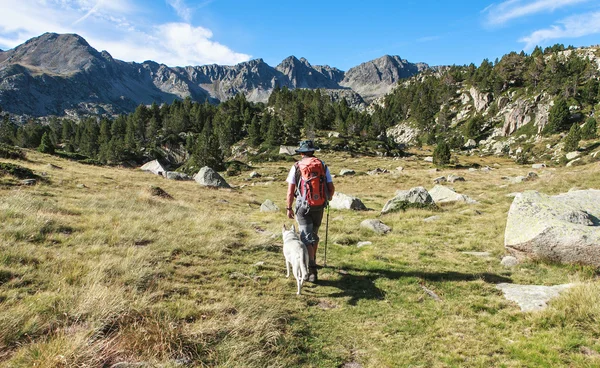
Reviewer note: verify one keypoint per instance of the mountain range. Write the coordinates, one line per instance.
(61, 74)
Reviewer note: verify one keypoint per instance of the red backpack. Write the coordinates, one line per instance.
(311, 183)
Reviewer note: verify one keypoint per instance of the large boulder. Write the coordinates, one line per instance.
(442, 194)
(268, 206)
(341, 201)
(417, 197)
(562, 228)
(210, 178)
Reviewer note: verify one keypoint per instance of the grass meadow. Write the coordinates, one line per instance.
(96, 271)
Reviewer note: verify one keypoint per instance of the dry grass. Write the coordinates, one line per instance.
(107, 272)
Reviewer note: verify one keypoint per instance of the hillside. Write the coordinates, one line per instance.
(97, 271)
(58, 74)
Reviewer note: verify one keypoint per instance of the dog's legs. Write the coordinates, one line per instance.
(287, 267)
(299, 282)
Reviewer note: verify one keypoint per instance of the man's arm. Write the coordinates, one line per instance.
(289, 200)
(330, 190)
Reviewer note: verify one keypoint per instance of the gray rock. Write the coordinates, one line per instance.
(53, 167)
(571, 163)
(509, 261)
(346, 172)
(254, 175)
(341, 201)
(478, 254)
(562, 228)
(174, 175)
(531, 297)
(481, 100)
(431, 219)
(268, 206)
(287, 150)
(486, 169)
(363, 243)
(28, 182)
(81, 186)
(400, 168)
(439, 180)
(454, 178)
(428, 159)
(471, 143)
(572, 155)
(210, 178)
(333, 134)
(538, 166)
(376, 226)
(415, 197)
(442, 194)
(377, 171)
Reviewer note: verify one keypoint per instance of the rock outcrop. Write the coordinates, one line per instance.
(562, 228)
(210, 178)
(341, 201)
(417, 197)
(442, 194)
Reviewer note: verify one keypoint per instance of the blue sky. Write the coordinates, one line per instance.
(342, 34)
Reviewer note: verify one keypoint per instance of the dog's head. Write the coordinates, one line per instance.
(285, 231)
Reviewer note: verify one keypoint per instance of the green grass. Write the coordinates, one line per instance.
(110, 272)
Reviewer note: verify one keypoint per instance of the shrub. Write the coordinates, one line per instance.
(441, 154)
(10, 152)
(589, 130)
(17, 171)
(46, 145)
(572, 139)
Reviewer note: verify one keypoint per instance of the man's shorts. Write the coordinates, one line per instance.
(309, 225)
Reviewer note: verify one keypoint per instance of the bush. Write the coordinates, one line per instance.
(589, 130)
(17, 171)
(46, 145)
(441, 154)
(572, 139)
(10, 152)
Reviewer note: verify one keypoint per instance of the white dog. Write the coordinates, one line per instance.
(295, 254)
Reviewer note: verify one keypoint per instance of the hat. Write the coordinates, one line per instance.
(307, 146)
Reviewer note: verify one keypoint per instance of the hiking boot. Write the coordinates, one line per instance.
(312, 274)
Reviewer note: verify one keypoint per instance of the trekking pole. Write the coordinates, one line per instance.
(326, 234)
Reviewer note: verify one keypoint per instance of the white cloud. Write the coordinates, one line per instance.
(571, 27)
(182, 10)
(513, 9)
(108, 25)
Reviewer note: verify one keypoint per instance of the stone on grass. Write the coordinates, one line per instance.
(454, 178)
(509, 261)
(347, 172)
(254, 174)
(377, 171)
(376, 226)
(571, 163)
(563, 228)
(538, 166)
(531, 297)
(417, 197)
(478, 254)
(572, 155)
(287, 150)
(428, 159)
(268, 206)
(174, 175)
(210, 178)
(341, 201)
(442, 194)
(28, 182)
(400, 168)
(471, 143)
(363, 243)
(431, 219)
(439, 180)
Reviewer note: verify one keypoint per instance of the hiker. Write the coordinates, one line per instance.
(309, 181)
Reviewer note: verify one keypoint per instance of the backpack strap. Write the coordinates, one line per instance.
(297, 178)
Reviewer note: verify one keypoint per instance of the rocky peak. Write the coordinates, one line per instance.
(301, 74)
(55, 53)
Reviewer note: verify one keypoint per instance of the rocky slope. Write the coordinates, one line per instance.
(62, 74)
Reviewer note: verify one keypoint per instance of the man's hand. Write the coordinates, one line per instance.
(290, 213)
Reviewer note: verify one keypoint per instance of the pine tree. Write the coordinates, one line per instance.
(558, 117)
(589, 130)
(208, 151)
(254, 136)
(441, 154)
(46, 145)
(572, 138)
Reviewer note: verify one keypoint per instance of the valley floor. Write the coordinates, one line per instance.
(95, 271)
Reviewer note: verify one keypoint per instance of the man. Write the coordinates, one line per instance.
(310, 182)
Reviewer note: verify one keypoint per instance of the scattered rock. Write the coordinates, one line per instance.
(486, 169)
(538, 166)
(428, 159)
(363, 243)
(454, 178)
(287, 150)
(400, 168)
(254, 175)
(442, 194)
(377, 171)
(376, 226)
(28, 182)
(341, 201)
(174, 175)
(333, 134)
(81, 186)
(259, 264)
(571, 163)
(531, 297)
(347, 172)
(472, 169)
(509, 261)
(471, 143)
(417, 197)
(210, 178)
(154, 167)
(53, 167)
(572, 155)
(439, 180)
(268, 206)
(431, 219)
(478, 254)
(434, 170)
(433, 295)
(562, 228)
